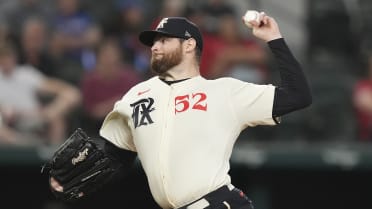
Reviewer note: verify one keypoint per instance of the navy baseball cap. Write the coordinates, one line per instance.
(178, 27)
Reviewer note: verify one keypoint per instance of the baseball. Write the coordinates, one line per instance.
(251, 15)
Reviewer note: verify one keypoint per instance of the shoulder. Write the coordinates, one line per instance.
(150, 83)
(234, 81)
(28, 71)
(235, 85)
(229, 81)
(223, 84)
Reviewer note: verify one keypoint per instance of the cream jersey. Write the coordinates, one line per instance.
(184, 133)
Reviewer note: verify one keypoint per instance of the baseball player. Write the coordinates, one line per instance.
(182, 126)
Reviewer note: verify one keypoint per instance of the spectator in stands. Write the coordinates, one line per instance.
(195, 15)
(110, 80)
(72, 23)
(23, 116)
(92, 38)
(132, 21)
(213, 10)
(47, 52)
(33, 46)
(5, 35)
(227, 53)
(64, 68)
(21, 10)
(169, 8)
(363, 103)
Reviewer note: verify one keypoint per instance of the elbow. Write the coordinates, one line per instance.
(69, 99)
(72, 96)
(288, 101)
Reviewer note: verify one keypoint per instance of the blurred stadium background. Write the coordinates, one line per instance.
(317, 158)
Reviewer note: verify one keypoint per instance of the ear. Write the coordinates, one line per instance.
(190, 45)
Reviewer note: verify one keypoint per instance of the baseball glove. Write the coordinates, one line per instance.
(81, 166)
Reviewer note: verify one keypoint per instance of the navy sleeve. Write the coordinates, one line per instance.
(294, 92)
(126, 157)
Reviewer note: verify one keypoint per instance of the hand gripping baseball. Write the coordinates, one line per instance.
(263, 27)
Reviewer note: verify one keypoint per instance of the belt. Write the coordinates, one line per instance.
(216, 196)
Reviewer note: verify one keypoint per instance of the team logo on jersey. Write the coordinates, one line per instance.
(141, 112)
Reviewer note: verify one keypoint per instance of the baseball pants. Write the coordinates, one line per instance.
(222, 198)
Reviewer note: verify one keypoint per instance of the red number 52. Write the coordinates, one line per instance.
(197, 100)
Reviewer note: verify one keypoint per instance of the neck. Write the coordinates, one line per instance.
(181, 71)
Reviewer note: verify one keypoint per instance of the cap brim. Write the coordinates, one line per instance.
(147, 37)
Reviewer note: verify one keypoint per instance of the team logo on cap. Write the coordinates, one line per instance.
(162, 22)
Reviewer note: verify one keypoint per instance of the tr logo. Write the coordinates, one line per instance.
(141, 112)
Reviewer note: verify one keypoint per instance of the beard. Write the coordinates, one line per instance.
(167, 61)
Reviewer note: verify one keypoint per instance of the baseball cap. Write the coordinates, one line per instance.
(178, 27)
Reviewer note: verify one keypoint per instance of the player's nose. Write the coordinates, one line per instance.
(155, 46)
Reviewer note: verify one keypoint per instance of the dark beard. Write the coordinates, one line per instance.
(161, 66)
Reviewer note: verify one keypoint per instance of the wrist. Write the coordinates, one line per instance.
(278, 36)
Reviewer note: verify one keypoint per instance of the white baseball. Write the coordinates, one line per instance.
(251, 15)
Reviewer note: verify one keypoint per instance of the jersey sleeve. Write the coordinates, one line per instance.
(252, 103)
(116, 129)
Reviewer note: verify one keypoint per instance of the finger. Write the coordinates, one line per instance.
(261, 17)
(254, 23)
(265, 19)
(55, 185)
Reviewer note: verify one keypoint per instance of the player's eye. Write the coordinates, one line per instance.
(163, 39)
(160, 39)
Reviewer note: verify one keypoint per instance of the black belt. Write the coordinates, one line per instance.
(214, 197)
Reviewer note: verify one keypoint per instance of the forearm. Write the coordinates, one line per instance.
(293, 93)
(125, 157)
